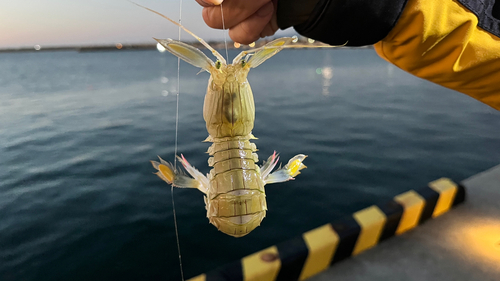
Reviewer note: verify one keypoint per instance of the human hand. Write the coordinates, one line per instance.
(246, 20)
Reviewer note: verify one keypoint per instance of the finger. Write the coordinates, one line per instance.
(235, 11)
(271, 27)
(209, 3)
(249, 30)
(267, 31)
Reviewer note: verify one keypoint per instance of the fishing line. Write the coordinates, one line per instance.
(224, 31)
(175, 146)
(177, 127)
(177, 233)
(178, 91)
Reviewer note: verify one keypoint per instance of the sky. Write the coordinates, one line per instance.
(26, 23)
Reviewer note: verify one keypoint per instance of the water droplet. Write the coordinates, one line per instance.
(37, 47)
(237, 45)
(164, 93)
(160, 48)
(295, 39)
(318, 70)
(164, 80)
(310, 40)
(251, 45)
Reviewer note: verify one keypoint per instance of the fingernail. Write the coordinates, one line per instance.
(212, 2)
(265, 10)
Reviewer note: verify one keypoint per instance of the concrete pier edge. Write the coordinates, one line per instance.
(316, 250)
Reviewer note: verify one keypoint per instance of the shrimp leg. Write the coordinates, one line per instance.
(288, 172)
(177, 178)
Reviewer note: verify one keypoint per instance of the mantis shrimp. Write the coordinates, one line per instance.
(235, 198)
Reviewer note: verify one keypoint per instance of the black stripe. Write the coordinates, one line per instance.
(229, 272)
(393, 211)
(431, 197)
(460, 195)
(485, 11)
(348, 230)
(293, 254)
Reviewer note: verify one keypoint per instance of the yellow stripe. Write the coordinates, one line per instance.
(201, 277)
(413, 205)
(372, 221)
(256, 268)
(322, 243)
(447, 190)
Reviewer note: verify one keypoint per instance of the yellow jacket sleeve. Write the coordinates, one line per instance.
(447, 43)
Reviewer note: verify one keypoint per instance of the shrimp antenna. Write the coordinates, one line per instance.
(214, 52)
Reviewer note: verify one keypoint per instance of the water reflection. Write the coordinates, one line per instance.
(390, 74)
(168, 85)
(327, 73)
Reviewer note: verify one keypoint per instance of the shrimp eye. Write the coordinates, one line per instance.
(243, 63)
(218, 64)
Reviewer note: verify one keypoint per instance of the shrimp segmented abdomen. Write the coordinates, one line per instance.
(236, 201)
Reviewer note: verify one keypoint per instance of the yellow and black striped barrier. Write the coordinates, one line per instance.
(304, 256)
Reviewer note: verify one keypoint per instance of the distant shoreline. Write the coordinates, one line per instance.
(119, 47)
(91, 48)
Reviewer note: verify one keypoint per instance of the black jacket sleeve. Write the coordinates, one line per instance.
(357, 22)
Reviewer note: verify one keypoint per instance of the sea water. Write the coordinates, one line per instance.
(78, 198)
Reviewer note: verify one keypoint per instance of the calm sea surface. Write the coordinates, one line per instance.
(78, 200)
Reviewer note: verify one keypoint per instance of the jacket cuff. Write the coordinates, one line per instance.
(335, 22)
